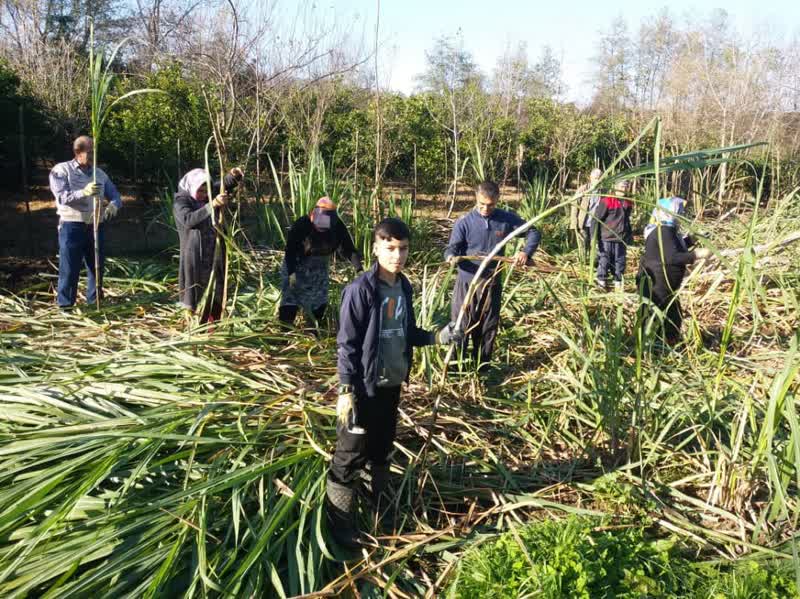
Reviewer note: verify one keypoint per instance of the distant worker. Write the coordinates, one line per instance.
(74, 189)
(663, 265)
(612, 217)
(582, 214)
(476, 234)
(198, 241)
(306, 264)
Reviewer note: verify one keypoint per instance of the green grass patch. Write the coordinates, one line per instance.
(585, 558)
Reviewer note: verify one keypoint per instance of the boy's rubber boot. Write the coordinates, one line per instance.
(383, 504)
(340, 508)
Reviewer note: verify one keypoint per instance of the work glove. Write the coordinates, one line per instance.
(701, 253)
(110, 212)
(220, 200)
(450, 335)
(292, 280)
(91, 189)
(344, 405)
(452, 260)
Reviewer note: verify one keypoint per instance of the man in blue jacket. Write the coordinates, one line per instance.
(476, 234)
(377, 330)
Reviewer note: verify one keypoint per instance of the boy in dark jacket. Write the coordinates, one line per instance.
(663, 265)
(613, 217)
(377, 330)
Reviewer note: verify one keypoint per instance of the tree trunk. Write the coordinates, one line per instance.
(24, 174)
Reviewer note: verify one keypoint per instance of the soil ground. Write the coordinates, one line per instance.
(30, 240)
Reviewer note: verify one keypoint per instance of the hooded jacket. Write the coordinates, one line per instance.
(358, 340)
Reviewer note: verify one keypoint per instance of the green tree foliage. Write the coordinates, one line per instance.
(12, 97)
(152, 124)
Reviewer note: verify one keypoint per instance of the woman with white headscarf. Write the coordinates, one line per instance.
(663, 265)
(198, 240)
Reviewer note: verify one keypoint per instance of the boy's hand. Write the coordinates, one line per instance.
(452, 260)
(701, 253)
(220, 200)
(344, 405)
(450, 335)
(520, 259)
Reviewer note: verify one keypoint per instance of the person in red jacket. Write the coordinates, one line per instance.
(613, 217)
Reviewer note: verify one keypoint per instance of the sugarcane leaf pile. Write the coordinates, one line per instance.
(142, 455)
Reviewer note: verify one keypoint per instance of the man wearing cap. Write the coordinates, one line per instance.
(75, 189)
(304, 272)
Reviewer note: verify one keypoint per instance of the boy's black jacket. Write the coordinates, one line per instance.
(358, 339)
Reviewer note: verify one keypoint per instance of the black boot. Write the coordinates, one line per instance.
(340, 506)
(381, 501)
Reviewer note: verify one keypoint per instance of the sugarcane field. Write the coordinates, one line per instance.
(377, 299)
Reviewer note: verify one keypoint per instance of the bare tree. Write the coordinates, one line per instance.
(451, 83)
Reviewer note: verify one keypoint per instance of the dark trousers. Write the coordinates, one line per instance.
(612, 253)
(591, 241)
(377, 415)
(482, 317)
(659, 292)
(288, 313)
(76, 247)
(587, 240)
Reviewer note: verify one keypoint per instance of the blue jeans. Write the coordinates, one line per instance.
(612, 252)
(76, 246)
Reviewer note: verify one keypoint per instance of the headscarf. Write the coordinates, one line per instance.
(324, 214)
(665, 214)
(193, 181)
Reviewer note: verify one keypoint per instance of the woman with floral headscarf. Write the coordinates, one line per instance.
(192, 212)
(663, 265)
(304, 272)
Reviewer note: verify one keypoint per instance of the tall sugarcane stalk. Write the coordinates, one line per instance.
(219, 252)
(100, 80)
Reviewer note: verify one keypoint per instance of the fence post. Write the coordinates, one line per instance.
(24, 168)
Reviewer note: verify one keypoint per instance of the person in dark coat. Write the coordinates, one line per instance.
(305, 269)
(377, 331)
(613, 217)
(476, 234)
(198, 239)
(663, 265)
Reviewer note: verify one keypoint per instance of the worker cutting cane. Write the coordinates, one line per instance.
(198, 239)
(474, 234)
(305, 274)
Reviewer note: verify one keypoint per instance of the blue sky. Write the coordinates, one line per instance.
(571, 28)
